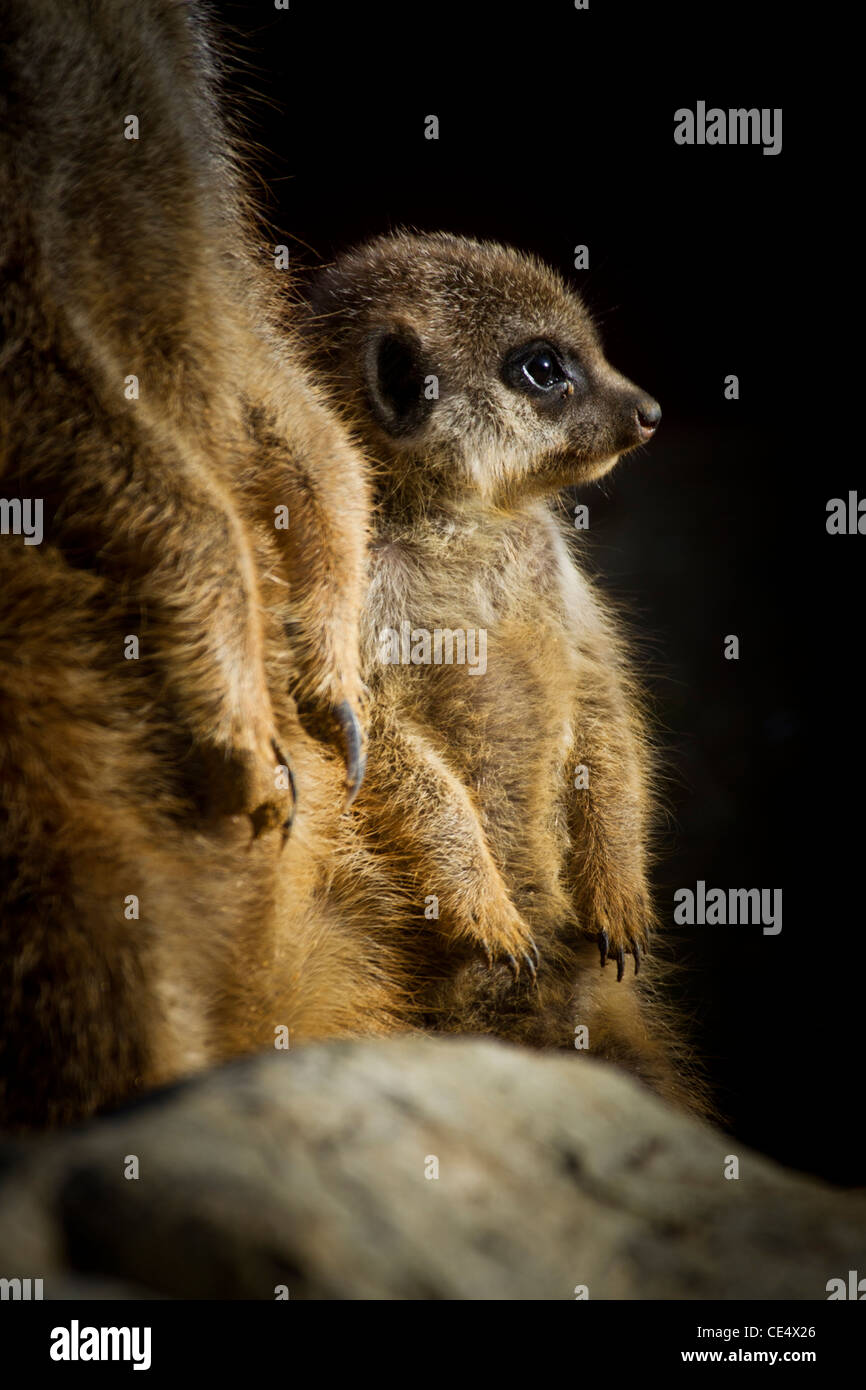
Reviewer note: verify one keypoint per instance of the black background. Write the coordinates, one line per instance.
(556, 129)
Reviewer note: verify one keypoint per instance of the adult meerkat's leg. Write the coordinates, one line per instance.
(309, 484)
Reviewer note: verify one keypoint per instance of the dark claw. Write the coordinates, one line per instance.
(338, 726)
(532, 965)
(515, 968)
(282, 761)
(603, 943)
(353, 749)
(636, 954)
(536, 953)
(620, 963)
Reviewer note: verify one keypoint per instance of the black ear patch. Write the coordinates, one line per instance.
(395, 380)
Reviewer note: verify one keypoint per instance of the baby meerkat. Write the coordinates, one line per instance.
(508, 779)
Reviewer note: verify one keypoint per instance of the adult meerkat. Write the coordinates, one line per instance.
(515, 799)
(152, 406)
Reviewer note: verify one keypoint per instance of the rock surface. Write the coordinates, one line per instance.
(309, 1169)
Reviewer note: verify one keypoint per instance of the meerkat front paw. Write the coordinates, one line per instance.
(496, 927)
(619, 922)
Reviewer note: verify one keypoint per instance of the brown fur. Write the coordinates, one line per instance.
(469, 793)
(125, 777)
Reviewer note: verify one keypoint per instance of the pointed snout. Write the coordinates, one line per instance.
(638, 417)
(647, 414)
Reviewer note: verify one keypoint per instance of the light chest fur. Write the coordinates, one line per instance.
(509, 582)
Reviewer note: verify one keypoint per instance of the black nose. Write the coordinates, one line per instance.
(647, 413)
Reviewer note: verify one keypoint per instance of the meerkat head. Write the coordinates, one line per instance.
(467, 366)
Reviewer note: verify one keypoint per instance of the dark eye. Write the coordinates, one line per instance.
(543, 370)
(538, 370)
